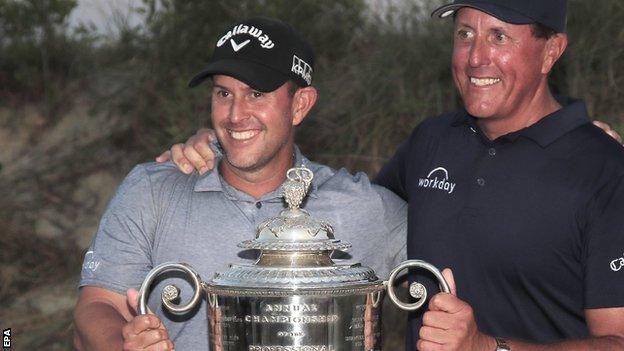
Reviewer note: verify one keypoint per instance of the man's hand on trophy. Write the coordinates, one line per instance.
(450, 325)
(195, 153)
(144, 332)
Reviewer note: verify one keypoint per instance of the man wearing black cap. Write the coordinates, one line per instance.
(531, 220)
(262, 73)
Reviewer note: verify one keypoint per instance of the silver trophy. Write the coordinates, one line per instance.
(294, 297)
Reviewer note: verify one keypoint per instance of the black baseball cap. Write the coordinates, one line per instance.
(550, 13)
(262, 52)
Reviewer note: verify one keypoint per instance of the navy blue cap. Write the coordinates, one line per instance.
(550, 13)
(262, 52)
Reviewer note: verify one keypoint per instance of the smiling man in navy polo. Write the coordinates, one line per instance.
(518, 193)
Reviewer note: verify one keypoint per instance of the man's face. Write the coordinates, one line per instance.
(254, 128)
(497, 66)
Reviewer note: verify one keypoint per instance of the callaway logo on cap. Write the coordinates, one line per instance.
(262, 52)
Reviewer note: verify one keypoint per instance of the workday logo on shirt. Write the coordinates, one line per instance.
(91, 263)
(437, 179)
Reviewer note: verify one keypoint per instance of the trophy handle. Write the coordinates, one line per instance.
(170, 292)
(416, 290)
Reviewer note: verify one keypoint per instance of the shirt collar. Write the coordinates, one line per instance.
(548, 129)
(213, 181)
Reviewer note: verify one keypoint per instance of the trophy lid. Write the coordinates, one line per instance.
(294, 229)
(294, 254)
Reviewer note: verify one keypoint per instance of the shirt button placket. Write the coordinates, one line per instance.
(491, 152)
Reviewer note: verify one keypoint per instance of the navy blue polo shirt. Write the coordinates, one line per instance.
(532, 223)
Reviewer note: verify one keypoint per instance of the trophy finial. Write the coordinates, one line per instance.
(296, 187)
(294, 230)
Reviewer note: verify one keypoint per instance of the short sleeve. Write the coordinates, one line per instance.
(604, 247)
(395, 219)
(392, 174)
(119, 256)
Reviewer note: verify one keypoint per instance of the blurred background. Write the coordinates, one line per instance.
(89, 88)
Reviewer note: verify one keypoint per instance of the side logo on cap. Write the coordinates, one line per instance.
(264, 39)
(302, 69)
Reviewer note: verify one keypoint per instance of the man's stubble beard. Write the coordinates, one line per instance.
(262, 162)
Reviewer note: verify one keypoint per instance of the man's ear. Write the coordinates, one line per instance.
(555, 46)
(303, 101)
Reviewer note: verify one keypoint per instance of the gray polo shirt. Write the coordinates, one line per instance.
(162, 215)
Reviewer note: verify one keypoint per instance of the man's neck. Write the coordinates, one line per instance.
(542, 105)
(261, 181)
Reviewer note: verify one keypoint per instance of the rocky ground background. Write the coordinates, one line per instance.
(56, 181)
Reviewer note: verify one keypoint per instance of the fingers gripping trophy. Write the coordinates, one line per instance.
(294, 297)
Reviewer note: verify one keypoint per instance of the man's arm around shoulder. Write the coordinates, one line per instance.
(106, 320)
